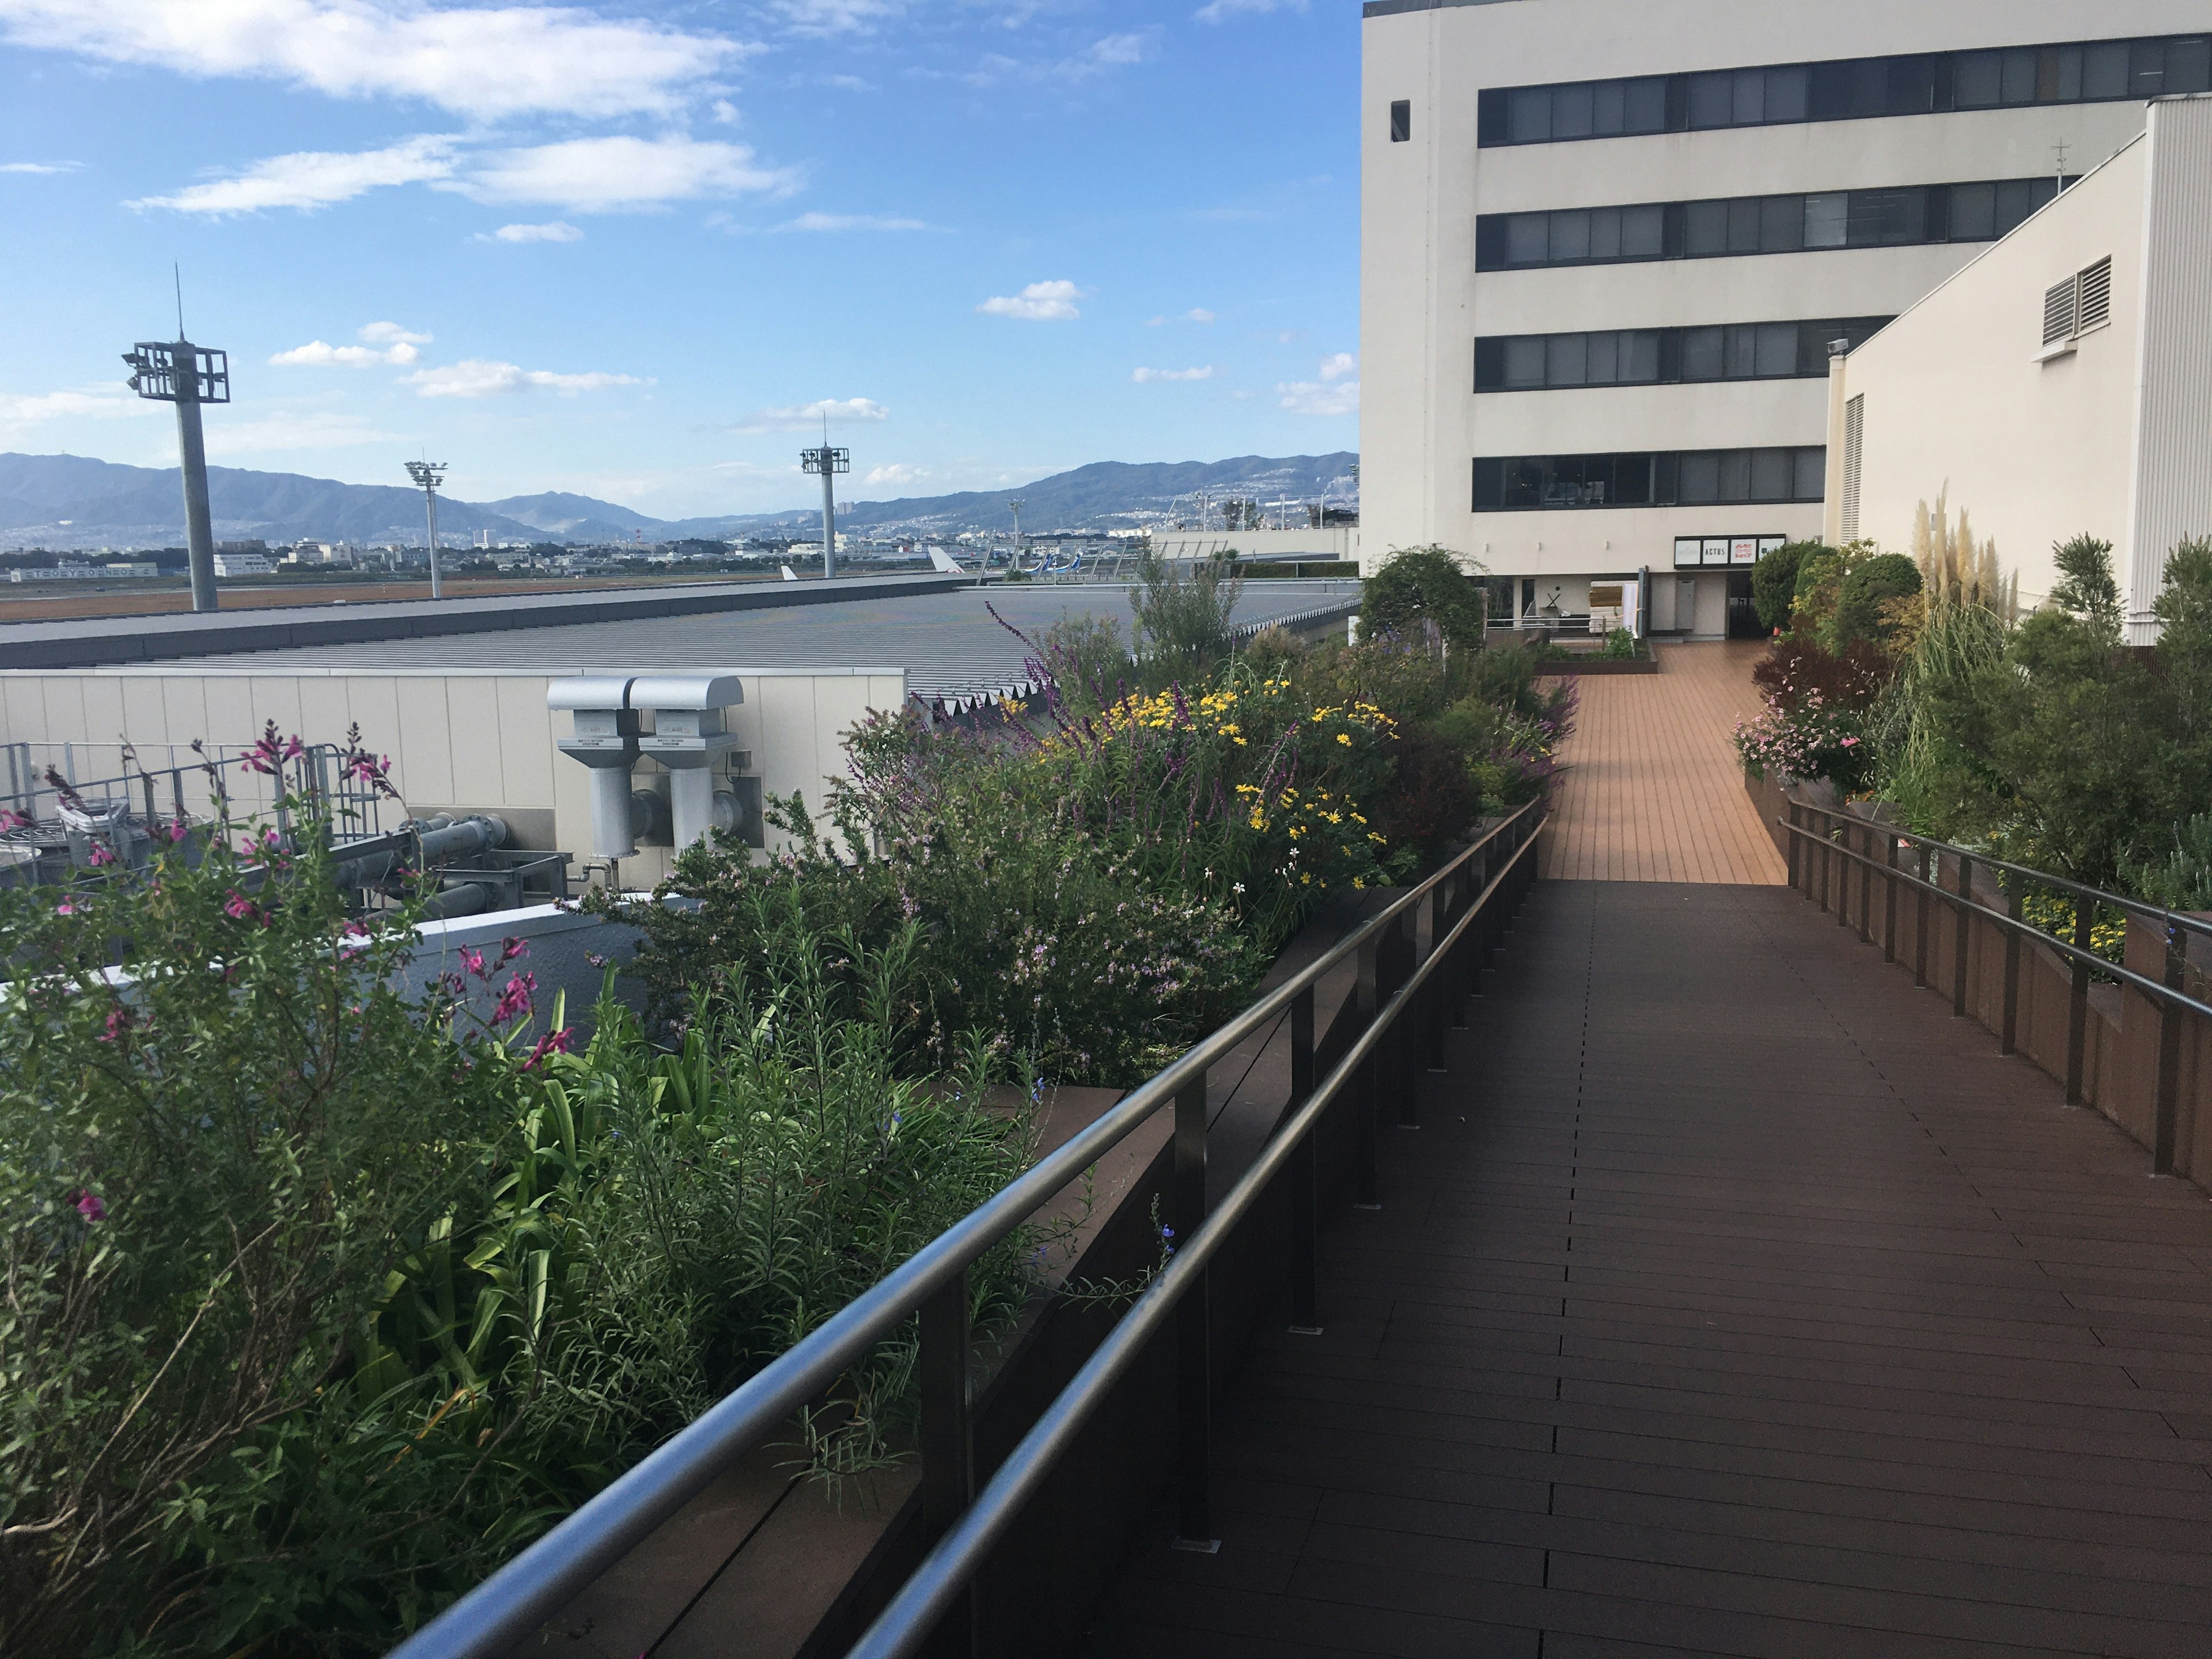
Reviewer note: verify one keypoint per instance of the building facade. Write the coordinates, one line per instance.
(1606, 246)
(2060, 385)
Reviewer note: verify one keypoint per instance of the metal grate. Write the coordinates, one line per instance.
(2059, 303)
(1853, 456)
(2094, 308)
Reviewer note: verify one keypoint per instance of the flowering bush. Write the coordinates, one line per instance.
(1815, 724)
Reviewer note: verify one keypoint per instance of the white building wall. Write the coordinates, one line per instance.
(2172, 497)
(1955, 397)
(1423, 304)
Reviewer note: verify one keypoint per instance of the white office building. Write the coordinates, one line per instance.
(1605, 245)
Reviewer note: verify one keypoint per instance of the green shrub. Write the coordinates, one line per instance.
(1774, 582)
(1861, 595)
(1621, 646)
(1417, 585)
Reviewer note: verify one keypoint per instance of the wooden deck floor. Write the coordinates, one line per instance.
(1652, 790)
(1734, 1300)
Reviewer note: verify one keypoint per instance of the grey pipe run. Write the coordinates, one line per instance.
(509, 1606)
(422, 844)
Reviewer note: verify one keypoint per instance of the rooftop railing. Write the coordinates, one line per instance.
(1822, 857)
(1464, 905)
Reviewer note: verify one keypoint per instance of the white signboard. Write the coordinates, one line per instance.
(1689, 550)
(1716, 550)
(1743, 550)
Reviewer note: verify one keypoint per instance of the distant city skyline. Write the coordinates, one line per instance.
(637, 251)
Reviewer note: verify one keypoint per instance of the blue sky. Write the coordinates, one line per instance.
(625, 248)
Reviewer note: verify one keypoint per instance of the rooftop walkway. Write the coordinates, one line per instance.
(1734, 1300)
(1652, 790)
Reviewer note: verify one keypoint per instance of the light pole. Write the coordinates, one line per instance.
(178, 371)
(427, 476)
(1015, 508)
(829, 463)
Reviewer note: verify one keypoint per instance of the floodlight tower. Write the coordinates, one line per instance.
(178, 371)
(427, 476)
(829, 463)
(1015, 508)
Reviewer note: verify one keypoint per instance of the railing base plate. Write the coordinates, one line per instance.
(1197, 1545)
(1305, 1330)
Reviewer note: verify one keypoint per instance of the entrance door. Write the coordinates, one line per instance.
(1742, 615)
(1686, 604)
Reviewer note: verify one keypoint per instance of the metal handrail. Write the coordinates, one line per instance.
(931, 1591)
(515, 1601)
(2172, 1000)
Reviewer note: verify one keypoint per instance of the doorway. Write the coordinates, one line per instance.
(1743, 615)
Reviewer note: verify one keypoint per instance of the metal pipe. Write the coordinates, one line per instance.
(510, 1606)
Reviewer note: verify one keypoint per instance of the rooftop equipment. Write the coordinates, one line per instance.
(689, 738)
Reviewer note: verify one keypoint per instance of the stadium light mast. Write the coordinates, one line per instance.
(427, 476)
(1015, 508)
(178, 371)
(829, 463)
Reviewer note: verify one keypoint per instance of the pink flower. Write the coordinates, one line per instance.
(98, 854)
(178, 831)
(514, 1001)
(65, 908)
(118, 1023)
(553, 1042)
(512, 948)
(89, 1206)
(238, 907)
(473, 961)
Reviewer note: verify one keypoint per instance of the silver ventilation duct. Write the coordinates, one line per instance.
(690, 738)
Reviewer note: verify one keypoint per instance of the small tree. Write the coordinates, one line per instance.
(1426, 584)
(1182, 622)
(1774, 582)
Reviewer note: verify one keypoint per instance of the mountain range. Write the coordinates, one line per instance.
(65, 502)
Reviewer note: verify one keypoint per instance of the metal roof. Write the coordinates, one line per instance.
(952, 649)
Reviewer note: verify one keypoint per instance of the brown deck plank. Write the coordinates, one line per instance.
(1734, 1300)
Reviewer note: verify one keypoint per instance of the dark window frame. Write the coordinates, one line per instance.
(1741, 227)
(1644, 478)
(1852, 89)
(1494, 354)
(1401, 120)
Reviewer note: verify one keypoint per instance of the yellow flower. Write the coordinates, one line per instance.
(1344, 738)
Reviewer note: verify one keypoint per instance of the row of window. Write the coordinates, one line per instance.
(1895, 217)
(1921, 84)
(1687, 478)
(1648, 356)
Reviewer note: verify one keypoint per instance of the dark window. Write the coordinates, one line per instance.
(1528, 362)
(1401, 121)
(1667, 478)
(1759, 224)
(1846, 88)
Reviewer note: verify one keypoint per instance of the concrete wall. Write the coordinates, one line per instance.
(1423, 304)
(474, 742)
(1957, 391)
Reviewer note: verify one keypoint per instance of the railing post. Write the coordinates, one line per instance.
(1797, 859)
(1193, 1322)
(1841, 834)
(1960, 937)
(2166, 1131)
(948, 1446)
(1889, 895)
(1305, 1299)
(1866, 884)
(2077, 1013)
(1367, 1194)
(1408, 1061)
(1454, 972)
(2015, 903)
(1436, 990)
(1820, 863)
(1920, 913)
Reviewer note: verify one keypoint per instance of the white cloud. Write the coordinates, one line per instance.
(475, 377)
(796, 417)
(1112, 52)
(1219, 11)
(95, 402)
(1154, 322)
(850, 221)
(724, 112)
(609, 174)
(834, 16)
(558, 230)
(387, 342)
(1337, 366)
(1199, 315)
(898, 473)
(320, 429)
(314, 178)
(39, 167)
(1040, 302)
(1144, 374)
(486, 62)
(1313, 398)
